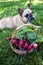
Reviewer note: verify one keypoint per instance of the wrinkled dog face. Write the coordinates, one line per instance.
(26, 15)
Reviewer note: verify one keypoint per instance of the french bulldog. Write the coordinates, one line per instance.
(24, 17)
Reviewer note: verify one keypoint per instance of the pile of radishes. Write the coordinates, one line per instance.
(22, 44)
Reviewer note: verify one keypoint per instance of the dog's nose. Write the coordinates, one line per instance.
(32, 18)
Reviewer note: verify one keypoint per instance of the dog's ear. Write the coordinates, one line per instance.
(28, 5)
(20, 11)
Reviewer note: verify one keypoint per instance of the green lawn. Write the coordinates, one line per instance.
(7, 56)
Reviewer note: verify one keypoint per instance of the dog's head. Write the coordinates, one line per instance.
(26, 15)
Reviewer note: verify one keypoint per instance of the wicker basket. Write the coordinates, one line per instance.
(16, 50)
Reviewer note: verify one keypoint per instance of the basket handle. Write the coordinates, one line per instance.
(30, 25)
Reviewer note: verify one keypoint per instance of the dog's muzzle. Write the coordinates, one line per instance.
(31, 17)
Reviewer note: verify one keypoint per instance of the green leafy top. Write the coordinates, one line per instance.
(29, 34)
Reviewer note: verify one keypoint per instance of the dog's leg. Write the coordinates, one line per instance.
(33, 26)
(30, 25)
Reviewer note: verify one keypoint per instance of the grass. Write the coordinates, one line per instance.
(7, 56)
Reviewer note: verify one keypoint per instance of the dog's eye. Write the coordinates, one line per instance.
(26, 15)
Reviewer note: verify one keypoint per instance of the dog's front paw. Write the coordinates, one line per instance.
(37, 27)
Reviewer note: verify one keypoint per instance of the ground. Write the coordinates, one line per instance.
(7, 56)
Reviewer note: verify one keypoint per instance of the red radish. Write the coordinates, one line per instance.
(8, 38)
(24, 40)
(14, 41)
(29, 47)
(26, 45)
(20, 43)
(35, 45)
